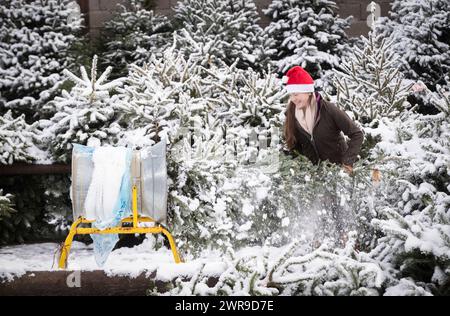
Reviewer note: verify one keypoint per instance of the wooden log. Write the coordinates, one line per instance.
(53, 283)
(50, 283)
(26, 169)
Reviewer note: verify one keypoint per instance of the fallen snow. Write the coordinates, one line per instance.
(16, 261)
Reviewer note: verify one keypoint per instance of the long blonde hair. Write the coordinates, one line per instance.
(289, 122)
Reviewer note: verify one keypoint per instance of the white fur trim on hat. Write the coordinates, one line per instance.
(291, 88)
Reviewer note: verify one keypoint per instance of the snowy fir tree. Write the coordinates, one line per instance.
(331, 204)
(416, 244)
(190, 103)
(426, 134)
(296, 270)
(308, 33)
(174, 92)
(420, 32)
(369, 84)
(413, 150)
(35, 42)
(224, 30)
(133, 35)
(17, 139)
(146, 104)
(83, 114)
(218, 182)
(6, 205)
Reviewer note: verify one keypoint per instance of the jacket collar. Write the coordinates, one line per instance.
(319, 108)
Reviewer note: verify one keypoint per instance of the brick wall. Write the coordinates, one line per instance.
(358, 9)
(98, 11)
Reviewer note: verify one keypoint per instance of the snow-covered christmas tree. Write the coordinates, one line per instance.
(208, 134)
(133, 35)
(412, 149)
(369, 84)
(416, 245)
(35, 42)
(222, 29)
(17, 139)
(84, 114)
(6, 205)
(146, 104)
(420, 34)
(295, 270)
(308, 33)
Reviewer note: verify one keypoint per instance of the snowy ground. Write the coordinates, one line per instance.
(16, 261)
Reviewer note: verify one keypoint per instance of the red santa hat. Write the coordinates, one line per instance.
(298, 79)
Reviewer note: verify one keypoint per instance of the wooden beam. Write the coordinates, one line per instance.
(84, 7)
(27, 169)
(54, 283)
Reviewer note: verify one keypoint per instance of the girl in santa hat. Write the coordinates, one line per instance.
(315, 127)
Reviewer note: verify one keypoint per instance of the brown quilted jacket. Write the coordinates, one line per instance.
(327, 141)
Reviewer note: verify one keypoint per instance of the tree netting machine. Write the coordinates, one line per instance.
(148, 198)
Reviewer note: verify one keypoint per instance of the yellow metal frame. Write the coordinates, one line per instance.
(135, 219)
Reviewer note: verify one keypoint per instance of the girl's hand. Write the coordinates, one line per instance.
(347, 168)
